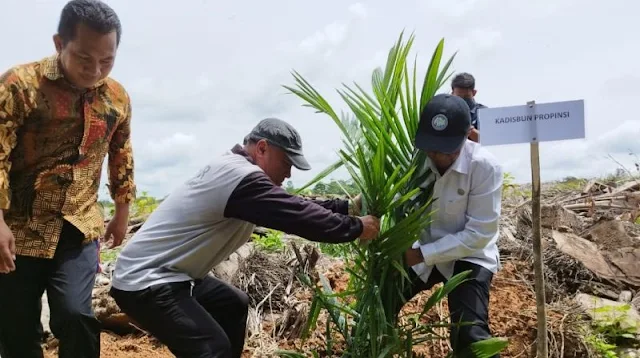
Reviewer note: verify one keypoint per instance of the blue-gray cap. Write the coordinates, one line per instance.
(281, 134)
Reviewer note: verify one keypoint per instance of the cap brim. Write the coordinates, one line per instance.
(299, 161)
(447, 145)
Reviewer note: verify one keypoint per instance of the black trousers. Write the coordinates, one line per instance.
(204, 321)
(468, 303)
(68, 279)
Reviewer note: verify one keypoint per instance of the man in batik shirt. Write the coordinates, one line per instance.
(59, 118)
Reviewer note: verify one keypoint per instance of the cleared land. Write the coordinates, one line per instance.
(592, 257)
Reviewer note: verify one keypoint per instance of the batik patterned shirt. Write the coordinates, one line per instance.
(54, 139)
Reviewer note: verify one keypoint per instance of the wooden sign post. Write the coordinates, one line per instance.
(532, 124)
(538, 257)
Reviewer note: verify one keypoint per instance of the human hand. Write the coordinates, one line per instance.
(474, 135)
(116, 229)
(370, 227)
(7, 249)
(413, 256)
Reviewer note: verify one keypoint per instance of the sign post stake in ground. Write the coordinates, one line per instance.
(534, 123)
(538, 262)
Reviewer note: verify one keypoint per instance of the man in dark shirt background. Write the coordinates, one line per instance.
(464, 85)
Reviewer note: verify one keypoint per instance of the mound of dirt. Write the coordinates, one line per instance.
(512, 315)
(115, 346)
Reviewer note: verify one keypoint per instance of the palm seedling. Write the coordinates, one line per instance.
(380, 157)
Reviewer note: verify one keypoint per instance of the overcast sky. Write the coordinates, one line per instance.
(203, 73)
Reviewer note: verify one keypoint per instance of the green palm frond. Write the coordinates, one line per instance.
(380, 157)
(489, 347)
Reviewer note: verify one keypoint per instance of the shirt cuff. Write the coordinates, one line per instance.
(427, 251)
(419, 268)
(124, 195)
(5, 199)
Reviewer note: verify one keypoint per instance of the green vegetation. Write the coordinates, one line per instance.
(142, 206)
(271, 242)
(600, 346)
(571, 184)
(335, 250)
(380, 157)
(108, 255)
(336, 187)
(509, 187)
(331, 188)
(611, 328)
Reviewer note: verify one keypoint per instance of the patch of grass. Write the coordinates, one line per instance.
(508, 182)
(571, 184)
(144, 205)
(271, 242)
(335, 250)
(612, 329)
(109, 255)
(600, 346)
(614, 324)
(510, 188)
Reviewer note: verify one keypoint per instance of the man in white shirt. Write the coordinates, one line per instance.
(463, 235)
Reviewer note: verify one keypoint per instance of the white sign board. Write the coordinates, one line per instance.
(540, 122)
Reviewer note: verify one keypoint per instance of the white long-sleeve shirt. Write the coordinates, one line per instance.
(467, 203)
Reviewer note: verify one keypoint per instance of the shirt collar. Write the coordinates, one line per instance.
(238, 149)
(53, 71)
(461, 164)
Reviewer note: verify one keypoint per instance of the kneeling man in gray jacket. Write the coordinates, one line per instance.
(161, 278)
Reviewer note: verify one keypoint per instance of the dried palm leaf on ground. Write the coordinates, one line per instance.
(263, 276)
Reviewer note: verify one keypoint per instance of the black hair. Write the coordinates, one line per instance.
(463, 80)
(95, 14)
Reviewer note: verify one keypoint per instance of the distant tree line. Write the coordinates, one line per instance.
(332, 187)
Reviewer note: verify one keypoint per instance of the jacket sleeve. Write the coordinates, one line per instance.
(257, 200)
(120, 166)
(335, 205)
(13, 111)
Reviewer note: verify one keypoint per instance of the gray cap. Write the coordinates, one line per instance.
(281, 134)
